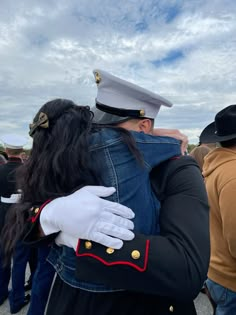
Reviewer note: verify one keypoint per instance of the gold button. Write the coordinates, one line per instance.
(142, 112)
(36, 210)
(110, 250)
(135, 254)
(88, 245)
(171, 309)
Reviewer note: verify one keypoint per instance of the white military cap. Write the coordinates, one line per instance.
(13, 141)
(118, 100)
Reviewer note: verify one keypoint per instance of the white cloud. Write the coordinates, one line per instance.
(49, 48)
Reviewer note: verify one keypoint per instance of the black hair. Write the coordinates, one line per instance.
(228, 143)
(59, 163)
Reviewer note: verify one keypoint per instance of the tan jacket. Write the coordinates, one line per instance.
(219, 171)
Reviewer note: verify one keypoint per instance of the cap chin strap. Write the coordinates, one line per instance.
(121, 112)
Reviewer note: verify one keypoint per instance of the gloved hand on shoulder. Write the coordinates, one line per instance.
(84, 214)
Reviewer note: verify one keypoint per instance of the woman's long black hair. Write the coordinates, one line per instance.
(59, 163)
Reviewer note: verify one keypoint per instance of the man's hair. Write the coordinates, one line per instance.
(228, 143)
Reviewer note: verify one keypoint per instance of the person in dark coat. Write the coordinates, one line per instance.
(10, 195)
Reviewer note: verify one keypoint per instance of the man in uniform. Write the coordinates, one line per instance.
(9, 195)
(173, 265)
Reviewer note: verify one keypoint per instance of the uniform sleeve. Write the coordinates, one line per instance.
(31, 235)
(173, 264)
(228, 214)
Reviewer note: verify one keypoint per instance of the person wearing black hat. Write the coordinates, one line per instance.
(204, 137)
(220, 177)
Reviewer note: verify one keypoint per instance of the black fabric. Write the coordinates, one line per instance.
(31, 234)
(67, 300)
(7, 185)
(119, 111)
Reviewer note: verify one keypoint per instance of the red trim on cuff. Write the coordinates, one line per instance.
(77, 247)
(33, 219)
(121, 262)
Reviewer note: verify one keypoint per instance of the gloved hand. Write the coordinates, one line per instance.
(84, 215)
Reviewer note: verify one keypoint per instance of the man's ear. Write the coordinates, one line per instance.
(145, 125)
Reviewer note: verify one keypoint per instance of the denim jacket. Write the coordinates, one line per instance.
(120, 169)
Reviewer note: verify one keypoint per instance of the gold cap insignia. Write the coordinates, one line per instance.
(97, 78)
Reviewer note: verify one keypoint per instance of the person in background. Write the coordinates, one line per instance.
(199, 153)
(219, 171)
(10, 195)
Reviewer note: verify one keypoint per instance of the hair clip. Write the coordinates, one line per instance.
(42, 122)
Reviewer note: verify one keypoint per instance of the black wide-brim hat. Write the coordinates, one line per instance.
(223, 128)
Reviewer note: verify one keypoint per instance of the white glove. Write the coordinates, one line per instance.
(84, 215)
(68, 240)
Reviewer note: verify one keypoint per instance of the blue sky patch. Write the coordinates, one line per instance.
(171, 57)
(172, 13)
(141, 26)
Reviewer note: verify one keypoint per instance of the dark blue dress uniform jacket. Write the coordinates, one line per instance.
(167, 271)
(7, 185)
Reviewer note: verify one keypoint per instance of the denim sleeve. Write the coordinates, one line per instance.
(156, 149)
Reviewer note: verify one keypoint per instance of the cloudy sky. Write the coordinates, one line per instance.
(184, 50)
